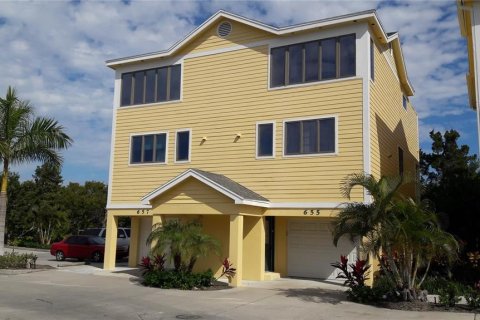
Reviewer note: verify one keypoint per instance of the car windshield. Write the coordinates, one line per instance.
(90, 232)
(96, 240)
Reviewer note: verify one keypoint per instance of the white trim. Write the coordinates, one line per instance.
(312, 83)
(136, 106)
(144, 68)
(187, 174)
(366, 15)
(317, 205)
(189, 146)
(337, 151)
(128, 206)
(116, 97)
(263, 204)
(257, 137)
(130, 164)
(365, 43)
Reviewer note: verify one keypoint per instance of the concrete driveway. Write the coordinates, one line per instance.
(86, 292)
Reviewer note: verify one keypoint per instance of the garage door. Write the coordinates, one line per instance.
(311, 250)
(145, 229)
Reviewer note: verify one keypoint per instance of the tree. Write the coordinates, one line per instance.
(185, 243)
(451, 182)
(403, 235)
(25, 138)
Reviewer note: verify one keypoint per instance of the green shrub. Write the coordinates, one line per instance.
(363, 294)
(385, 288)
(436, 285)
(171, 279)
(13, 260)
(449, 296)
(473, 297)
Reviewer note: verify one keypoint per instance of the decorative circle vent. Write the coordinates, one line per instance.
(224, 29)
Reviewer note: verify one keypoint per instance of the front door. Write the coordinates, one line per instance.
(269, 243)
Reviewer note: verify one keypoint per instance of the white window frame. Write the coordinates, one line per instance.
(328, 154)
(147, 163)
(189, 146)
(150, 66)
(257, 138)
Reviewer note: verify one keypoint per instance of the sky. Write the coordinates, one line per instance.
(54, 53)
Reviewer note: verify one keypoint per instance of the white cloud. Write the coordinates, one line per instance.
(54, 54)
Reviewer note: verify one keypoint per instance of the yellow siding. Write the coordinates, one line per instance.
(209, 40)
(226, 94)
(391, 125)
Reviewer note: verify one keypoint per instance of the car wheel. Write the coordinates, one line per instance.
(59, 255)
(97, 256)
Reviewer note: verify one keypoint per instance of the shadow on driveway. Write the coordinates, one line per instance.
(316, 295)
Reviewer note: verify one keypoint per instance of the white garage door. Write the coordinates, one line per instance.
(311, 250)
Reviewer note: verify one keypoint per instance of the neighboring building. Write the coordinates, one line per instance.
(469, 20)
(250, 129)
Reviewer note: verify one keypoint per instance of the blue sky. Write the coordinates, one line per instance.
(54, 54)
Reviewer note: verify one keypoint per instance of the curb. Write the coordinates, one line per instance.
(27, 249)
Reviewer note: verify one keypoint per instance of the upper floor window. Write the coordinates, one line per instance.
(315, 136)
(150, 148)
(313, 61)
(149, 86)
(404, 102)
(265, 140)
(182, 146)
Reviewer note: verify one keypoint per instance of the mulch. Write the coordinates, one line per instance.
(424, 306)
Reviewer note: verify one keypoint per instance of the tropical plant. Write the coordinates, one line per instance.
(184, 242)
(403, 235)
(25, 138)
(355, 274)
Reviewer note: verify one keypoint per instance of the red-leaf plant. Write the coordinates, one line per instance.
(354, 274)
(227, 269)
(155, 264)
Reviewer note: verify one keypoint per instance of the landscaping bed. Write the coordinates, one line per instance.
(423, 306)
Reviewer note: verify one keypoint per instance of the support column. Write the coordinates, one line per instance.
(134, 242)
(157, 221)
(254, 248)
(235, 249)
(110, 242)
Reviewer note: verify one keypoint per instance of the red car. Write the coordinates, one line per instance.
(80, 247)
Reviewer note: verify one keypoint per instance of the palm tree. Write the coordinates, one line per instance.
(402, 234)
(185, 243)
(25, 138)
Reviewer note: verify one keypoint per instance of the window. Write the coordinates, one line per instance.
(400, 161)
(313, 61)
(182, 153)
(372, 60)
(150, 148)
(404, 102)
(265, 140)
(149, 86)
(314, 136)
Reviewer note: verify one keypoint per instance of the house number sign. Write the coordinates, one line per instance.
(311, 212)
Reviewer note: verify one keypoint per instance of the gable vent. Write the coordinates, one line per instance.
(224, 29)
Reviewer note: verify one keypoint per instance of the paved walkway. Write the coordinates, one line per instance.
(86, 292)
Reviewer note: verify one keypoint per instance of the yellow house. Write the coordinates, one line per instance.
(250, 129)
(469, 20)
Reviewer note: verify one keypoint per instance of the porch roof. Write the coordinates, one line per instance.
(232, 189)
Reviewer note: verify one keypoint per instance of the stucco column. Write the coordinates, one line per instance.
(235, 248)
(157, 221)
(110, 242)
(134, 242)
(254, 248)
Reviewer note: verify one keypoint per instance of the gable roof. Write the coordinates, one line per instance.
(369, 16)
(221, 183)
